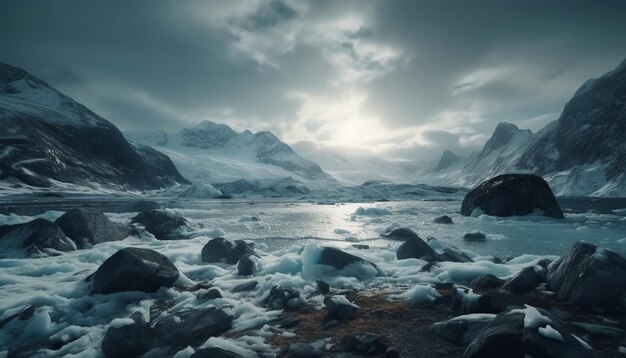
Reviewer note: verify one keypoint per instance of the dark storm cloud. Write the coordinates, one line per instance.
(414, 76)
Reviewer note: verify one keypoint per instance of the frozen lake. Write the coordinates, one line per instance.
(601, 221)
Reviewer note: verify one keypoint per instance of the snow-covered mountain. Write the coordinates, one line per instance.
(581, 153)
(356, 168)
(212, 153)
(48, 139)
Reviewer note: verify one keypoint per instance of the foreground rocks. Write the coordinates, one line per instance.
(416, 248)
(462, 329)
(36, 237)
(163, 224)
(590, 277)
(177, 330)
(223, 250)
(512, 194)
(90, 227)
(134, 269)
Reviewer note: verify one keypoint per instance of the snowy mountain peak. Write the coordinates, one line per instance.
(206, 135)
(502, 135)
(448, 159)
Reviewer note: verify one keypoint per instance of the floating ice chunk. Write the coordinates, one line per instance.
(551, 333)
(419, 294)
(342, 232)
(474, 317)
(371, 211)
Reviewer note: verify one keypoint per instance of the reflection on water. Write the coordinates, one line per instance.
(289, 223)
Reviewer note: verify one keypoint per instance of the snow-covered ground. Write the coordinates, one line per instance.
(280, 230)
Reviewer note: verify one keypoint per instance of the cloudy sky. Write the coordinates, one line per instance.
(402, 79)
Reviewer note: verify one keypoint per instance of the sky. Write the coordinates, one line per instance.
(396, 79)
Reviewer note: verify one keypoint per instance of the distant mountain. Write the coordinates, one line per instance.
(583, 152)
(214, 153)
(48, 139)
(448, 159)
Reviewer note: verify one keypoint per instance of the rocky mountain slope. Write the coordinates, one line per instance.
(214, 153)
(48, 139)
(581, 153)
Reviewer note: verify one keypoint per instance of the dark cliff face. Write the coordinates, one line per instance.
(591, 129)
(448, 159)
(46, 135)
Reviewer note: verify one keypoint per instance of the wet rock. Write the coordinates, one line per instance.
(134, 269)
(36, 237)
(444, 219)
(304, 350)
(88, 227)
(522, 332)
(163, 224)
(192, 326)
(486, 282)
(131, 340)
(246, 286)
(451, 253)
(364, 343)
(338, 259)
(215, 352)
(340, 308)
(402, 234)
(590, 277)
(245, 266)
(284, 321)
(322, 287)
(462, 329)
(475, 237)
(526, 280)
(512, 194)
(222, 250)
(465, 301)
(280, 298)
(211, 294)
(416, 248)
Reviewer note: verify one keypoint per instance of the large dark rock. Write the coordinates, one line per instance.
(132, 340)
(245, 266)
(88, 227)
(192, 326)
(508, 336)
(526, 280)
(444, 219)
(214, 352)
(36, 237)
(453, 254)
(222, 250)
(134, 269)
(211, 294)
(590, 277)
(416, 248)
(338, 259)
(402, 234)
(462, 329)
(475, 237)
(465, 301)
(486, 282)
(512, 194)
(365, 343)
(163, 224)
(340, 308)
(55, 138)
(280, 298)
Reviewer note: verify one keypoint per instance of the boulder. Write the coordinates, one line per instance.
(453, 254)
(36, 237)
(88, 227)
(163, 224)
(338, 259)
(192, 326)
(486, 282)
(512, 194)
(222, 250)
(340, 308)
(465, 301)
(365, 343)
(526, 332)
(131, 340)
(280, 298)
(462, 329)
(134, 269)
(526, 280)
(589, 276)
(322, 286)
(476, 236)
(246, 286)
(211, 294)
(245, 266)
(416, 248)
(402, 234)
(215, 352)
(444, 219)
